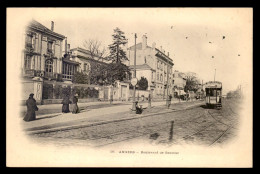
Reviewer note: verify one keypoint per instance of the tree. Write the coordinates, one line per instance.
(117, 71)
(95, 49)
(80, 77)
(97, 53)
(98, 73)
(142, 83)
(117, 54)
(191, 83)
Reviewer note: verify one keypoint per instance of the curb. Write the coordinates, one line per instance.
(62, 128)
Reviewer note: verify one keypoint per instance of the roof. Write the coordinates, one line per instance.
(38, 26)
(70, 61)
(159, 53)
(139, 46)
(143, 66)
(212, 84)
(181, 75)
(81, 50)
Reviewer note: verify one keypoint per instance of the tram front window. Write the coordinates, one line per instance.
(212, 92)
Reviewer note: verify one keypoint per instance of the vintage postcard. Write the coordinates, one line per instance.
(129, 87)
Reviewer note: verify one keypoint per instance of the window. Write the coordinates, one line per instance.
(27, 62)
(144, 59)
(86, 67)
(48, 68)
(29, 40)
(68, 71)
(161, 78)
(49, 49)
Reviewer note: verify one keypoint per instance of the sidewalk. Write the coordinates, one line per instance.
(96, 116)
(56, 108)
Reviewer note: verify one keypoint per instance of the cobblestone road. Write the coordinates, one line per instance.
(197, 125)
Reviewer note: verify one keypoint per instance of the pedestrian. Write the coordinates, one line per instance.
(65, 104)
(138, 108)
(75, 108)
(31, 108)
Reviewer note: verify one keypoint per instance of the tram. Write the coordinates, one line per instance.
(213, 94)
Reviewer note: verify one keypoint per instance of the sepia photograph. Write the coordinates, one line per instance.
(129, 87)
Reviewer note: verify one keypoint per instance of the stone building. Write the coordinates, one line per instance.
(85, 58)
(153, 64)
(42, 54)
(42, 59)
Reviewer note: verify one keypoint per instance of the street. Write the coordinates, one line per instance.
(183, 124)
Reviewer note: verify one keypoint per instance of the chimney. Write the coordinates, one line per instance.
(154, 45)
(52, 25)
(161, 48)
(144, 43)
(68, 48)
(168, 54)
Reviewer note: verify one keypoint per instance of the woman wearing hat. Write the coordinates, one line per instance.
(31, 108)
(75, 108)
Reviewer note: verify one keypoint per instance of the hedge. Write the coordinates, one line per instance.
(59, 91)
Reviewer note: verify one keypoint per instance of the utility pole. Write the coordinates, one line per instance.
(215, 75)
(134, 105)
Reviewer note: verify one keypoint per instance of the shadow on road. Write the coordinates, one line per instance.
(207, 107)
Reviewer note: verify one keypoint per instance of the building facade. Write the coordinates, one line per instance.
(85, 58)
(43, 60)
(179, 82)
(42, 54)
(153, 64)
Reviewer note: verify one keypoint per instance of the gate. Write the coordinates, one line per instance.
(105, 93)
(123, 92)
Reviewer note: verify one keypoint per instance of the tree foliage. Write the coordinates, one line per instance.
(98, 73)
(191, 83)
(142, 83)
(80, 77)
(117, 71)
(107, 74)
(117, 54)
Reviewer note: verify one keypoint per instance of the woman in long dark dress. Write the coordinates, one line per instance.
(75, 108)
(65, 104)
(31, 108)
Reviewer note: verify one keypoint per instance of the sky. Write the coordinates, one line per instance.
(191, 35)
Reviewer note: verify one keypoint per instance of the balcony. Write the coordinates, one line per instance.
(29, 72)
(33, 73)
(29, 45)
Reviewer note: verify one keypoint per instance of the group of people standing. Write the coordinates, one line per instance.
(32, 107)
(66, 102)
